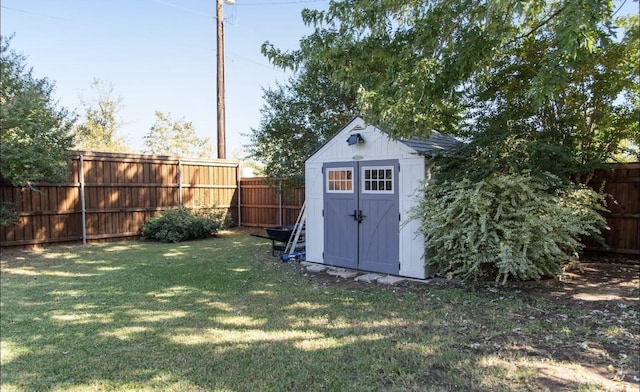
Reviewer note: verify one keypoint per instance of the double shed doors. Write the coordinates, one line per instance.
(361, 215)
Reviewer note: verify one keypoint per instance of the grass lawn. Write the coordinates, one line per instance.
(223, 315)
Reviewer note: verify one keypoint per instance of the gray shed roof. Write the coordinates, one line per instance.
(438, 142)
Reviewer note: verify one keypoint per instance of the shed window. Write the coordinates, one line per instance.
(378, 179)
(340, 180)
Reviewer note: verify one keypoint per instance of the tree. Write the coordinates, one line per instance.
(297, 119)
(590, 117)
(422, 65)
(175, 137)
(36, 133)
(98, 131)
(591, 109)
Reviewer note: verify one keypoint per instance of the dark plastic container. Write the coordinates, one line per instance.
(280, 233)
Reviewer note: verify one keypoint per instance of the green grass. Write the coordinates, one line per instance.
(223, 315)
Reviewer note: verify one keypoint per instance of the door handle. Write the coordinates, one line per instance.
(357, 215)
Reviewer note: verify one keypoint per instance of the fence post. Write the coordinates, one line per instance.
(179, 174)
(83, 202)
(239, 188)
(280, 213)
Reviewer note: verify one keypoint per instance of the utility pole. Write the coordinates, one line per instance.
(220, 81)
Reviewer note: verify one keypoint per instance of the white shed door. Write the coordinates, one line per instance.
(361, 215)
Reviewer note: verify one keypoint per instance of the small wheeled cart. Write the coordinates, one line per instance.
(279, 236)
(288, 240)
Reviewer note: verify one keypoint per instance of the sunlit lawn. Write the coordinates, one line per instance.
(223, 315)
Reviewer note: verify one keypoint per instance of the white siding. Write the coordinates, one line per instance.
(314, 235)
(412, 172)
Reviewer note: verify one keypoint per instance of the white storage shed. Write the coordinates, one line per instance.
(360, 188)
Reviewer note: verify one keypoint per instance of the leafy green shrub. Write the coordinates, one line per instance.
(184, 224)
(8, 214)
(507, 225)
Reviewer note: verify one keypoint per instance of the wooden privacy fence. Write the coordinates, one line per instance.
(110, 196)
(622, 183)
(265, 204)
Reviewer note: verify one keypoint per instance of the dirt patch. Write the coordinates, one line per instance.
(596, 278)
(606, 290)
(592, 281)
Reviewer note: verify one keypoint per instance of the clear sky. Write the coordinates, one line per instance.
(158, 55)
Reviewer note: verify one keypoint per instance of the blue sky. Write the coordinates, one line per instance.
(161, 55)
(158, 55)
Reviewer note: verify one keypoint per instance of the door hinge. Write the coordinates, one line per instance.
(323, 213)
(399, 217)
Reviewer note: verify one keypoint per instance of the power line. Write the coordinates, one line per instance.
(33, 13)
(237, 56)
(196, 12)
(619, 8)
(282, 2)
(185, 9)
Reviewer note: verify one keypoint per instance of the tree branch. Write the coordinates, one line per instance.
(536, 28)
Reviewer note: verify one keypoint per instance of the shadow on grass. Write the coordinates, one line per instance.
(224, 315)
